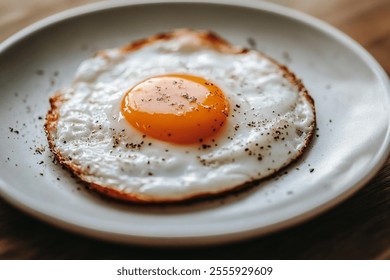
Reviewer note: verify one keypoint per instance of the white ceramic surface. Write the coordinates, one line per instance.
(350, 89)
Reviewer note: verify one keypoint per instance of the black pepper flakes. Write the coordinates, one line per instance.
(252, 43)
(12, 130)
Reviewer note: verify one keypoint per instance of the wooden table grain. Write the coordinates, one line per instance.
(358, 228)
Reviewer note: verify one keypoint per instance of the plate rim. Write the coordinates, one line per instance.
(27, 205)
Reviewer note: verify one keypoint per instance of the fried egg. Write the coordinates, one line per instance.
(177, 116)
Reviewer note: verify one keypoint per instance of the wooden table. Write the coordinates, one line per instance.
(359, 228)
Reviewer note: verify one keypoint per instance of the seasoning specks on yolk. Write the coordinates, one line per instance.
(176, 108)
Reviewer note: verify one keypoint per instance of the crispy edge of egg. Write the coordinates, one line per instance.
(213, 41)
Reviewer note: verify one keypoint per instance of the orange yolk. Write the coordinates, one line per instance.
(177, 108)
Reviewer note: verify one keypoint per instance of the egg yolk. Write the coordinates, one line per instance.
(177, 108)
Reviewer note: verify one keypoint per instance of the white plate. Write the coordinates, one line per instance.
(350, 89)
